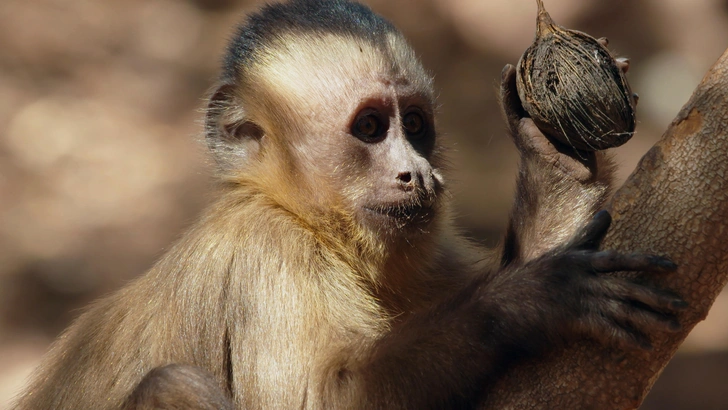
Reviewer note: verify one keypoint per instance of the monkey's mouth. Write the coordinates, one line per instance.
(405, 212)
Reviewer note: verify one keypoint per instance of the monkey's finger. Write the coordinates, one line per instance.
(592, 234)
(656, 299)
(603, 41)
(631, 316)
(629, 337)
(510, 102)
(524, 132)
(613, 261)
(641, 317)
(622, 64)
(628, 333)
(610, 330)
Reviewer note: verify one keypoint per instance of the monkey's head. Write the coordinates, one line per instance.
(324, 109)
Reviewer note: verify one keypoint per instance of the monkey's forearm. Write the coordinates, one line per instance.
(555, 195)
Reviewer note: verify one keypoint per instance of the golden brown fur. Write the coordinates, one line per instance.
(277, 239)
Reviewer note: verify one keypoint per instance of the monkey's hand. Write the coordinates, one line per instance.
(531, 142)
(567, 294)
(529, 139)
(607, 307)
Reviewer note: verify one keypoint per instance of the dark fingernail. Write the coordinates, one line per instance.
(603, 215)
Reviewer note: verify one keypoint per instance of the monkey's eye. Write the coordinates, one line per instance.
(414, 124)
(369, 127)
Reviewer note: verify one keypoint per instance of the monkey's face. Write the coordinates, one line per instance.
(368, 131)
(353, 124)
(387, 175)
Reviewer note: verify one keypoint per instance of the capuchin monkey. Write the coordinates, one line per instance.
(328, 274)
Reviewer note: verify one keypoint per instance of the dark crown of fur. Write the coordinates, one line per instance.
(322, 16)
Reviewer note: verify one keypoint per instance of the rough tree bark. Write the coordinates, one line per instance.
(676, 204)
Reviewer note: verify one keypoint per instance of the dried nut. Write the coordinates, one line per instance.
(573, 89)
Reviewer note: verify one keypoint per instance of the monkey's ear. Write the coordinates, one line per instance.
(232, 138)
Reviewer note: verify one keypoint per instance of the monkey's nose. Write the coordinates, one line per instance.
(405, 181)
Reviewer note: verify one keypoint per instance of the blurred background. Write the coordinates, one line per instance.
(101, 166)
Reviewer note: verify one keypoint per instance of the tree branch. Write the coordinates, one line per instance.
(676, 204)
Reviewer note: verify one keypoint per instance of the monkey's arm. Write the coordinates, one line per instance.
(674, 203)
(558, 189)
(461, 346)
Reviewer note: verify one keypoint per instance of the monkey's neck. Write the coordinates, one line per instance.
(398, 273)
